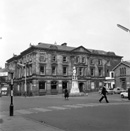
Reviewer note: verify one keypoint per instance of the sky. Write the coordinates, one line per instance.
(90, 23)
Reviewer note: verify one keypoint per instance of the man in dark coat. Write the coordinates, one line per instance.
(66, 94)
(104, 91)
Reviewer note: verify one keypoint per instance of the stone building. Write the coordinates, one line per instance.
(48, 68)
(122, 74)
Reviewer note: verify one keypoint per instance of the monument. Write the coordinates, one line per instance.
(74, 89)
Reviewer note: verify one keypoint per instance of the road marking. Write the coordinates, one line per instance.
(57, 107)
(73, 106)
(42, 109)
(62, 107)
(23, 111)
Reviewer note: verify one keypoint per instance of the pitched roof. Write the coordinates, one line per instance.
(68, 48)
(126, 63)
(59, 47)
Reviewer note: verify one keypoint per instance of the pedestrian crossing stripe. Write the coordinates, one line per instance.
(62, 107)
(23, 111)
(57, 107)
(41, 109)
(73, 106)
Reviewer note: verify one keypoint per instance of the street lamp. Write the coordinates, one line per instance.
(123, 28)
(25, 86)
(11, 104)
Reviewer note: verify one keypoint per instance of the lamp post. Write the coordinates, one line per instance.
(25, 86)
(11, 94)
(123, 28)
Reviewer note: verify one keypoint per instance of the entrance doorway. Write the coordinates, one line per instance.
(123, 83)
(42, 87)
(54, 87)
(64, 85)
(81, 87)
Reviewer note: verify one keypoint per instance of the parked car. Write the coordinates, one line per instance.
(124, 94)
(110, 91)
(118, 90)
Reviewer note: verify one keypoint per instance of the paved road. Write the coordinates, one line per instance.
(82, 117)
(78, 113)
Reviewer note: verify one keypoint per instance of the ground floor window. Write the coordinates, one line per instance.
(53, 85)
(41, 85)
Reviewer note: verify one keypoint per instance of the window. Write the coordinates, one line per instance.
(64, 59)
(53, 70)
(92, 71)
(30, 70)
(107, 72)
(100, 72)
(112, 75)
(77, 59)
(42, 70)
(91, 61)
(83, 59)
(99, 62)
(53, 85)
(123, 71)
(53, 58)
(64, 70)
(81, 71)
(41, 85)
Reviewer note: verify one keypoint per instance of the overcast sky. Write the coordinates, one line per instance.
(90, 23)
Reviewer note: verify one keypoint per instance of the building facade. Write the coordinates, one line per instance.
(122, 74)
(47, 68)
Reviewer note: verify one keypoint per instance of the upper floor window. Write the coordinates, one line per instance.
(99, 62)
(53, 70)
(42, 69)
(92, 61)
(83, 59)
(77, 59)
(81, 71)
(64, 59)
(123, 71)
(92, 71)
(100, 72)
(64, 70)
(53, 58)
(107, 72)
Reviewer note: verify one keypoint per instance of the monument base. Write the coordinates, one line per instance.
(78, 94)
(75, 90)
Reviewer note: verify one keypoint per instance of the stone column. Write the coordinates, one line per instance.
(48, 87)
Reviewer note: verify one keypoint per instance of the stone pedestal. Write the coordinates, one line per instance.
(74, 88)
(74, 91)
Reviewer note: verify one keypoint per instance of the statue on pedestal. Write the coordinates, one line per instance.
(74, 77)
(75, 89)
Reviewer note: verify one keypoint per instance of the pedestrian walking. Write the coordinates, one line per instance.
(103, 92)
(66, 94)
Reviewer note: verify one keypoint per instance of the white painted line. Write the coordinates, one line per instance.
(58, 108)
(23, 111)
(42, 109)
(73, 106)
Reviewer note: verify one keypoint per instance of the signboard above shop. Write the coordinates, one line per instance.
(3, 73)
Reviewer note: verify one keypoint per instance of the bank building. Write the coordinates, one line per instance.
(47, 68)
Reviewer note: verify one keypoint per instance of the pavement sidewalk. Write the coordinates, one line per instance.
(19, 123)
